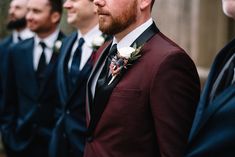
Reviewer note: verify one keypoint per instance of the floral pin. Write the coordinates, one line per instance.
(124, 58)
(57, 46)
(98, 41)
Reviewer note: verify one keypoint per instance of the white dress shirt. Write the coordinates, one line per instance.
(49, 41)
(24, 34)
(87, 46)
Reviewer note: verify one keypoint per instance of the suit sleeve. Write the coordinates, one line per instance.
(174, 96)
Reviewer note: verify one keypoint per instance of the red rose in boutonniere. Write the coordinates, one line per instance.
(124, 58)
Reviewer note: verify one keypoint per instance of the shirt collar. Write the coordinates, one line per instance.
(24, 34)
(89, 36)
(133, 35)
(49, 41)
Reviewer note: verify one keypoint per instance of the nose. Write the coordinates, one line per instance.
(67, 4)
(99, 3)
(11, 10)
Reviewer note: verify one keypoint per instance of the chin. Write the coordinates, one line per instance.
(70, 21)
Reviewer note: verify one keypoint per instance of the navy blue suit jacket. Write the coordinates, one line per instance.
(69, 132)
(27, 110)
(4, 45)
(213, 131)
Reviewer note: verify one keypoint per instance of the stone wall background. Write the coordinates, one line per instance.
(199, 26)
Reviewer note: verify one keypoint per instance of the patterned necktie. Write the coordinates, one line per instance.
(74, 70)
(103, 78)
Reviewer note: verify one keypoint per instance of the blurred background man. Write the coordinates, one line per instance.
(213, 131)
(74, 67)
(18, 25)
(30, 96)
(17, 20)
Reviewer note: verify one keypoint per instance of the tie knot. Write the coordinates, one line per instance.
(113, 50)
(42, 44)
(81, 42)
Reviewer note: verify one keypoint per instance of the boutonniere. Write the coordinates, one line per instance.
(57, 46)
(98, 41)
(124, 58)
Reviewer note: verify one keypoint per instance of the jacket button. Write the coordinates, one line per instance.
(90, 139)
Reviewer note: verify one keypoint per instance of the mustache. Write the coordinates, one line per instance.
(102, 12)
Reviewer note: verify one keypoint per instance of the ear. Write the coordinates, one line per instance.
(144, 4)
(55, 17)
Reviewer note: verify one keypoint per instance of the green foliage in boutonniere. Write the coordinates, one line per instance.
(57, 46)
(124, 58)
(135, 54)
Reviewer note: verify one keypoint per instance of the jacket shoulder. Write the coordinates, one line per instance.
(6, 41)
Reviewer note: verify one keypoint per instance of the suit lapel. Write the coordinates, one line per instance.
(99, 108)
(97, 66)
(61, 73)
(81, 78)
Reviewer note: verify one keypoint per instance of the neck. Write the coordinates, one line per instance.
(119, 36)
(43, 35)
(85, 28)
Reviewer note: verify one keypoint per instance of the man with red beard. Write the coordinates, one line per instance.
(143, 90)
(29, 93)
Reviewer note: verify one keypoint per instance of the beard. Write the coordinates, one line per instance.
(17, 24)
(120, 22)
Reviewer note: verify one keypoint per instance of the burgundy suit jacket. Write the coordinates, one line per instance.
(150, 110)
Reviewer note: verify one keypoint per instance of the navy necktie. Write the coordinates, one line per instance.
(42, 61)
(75, 65)
(19, 38)
(41, 64)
